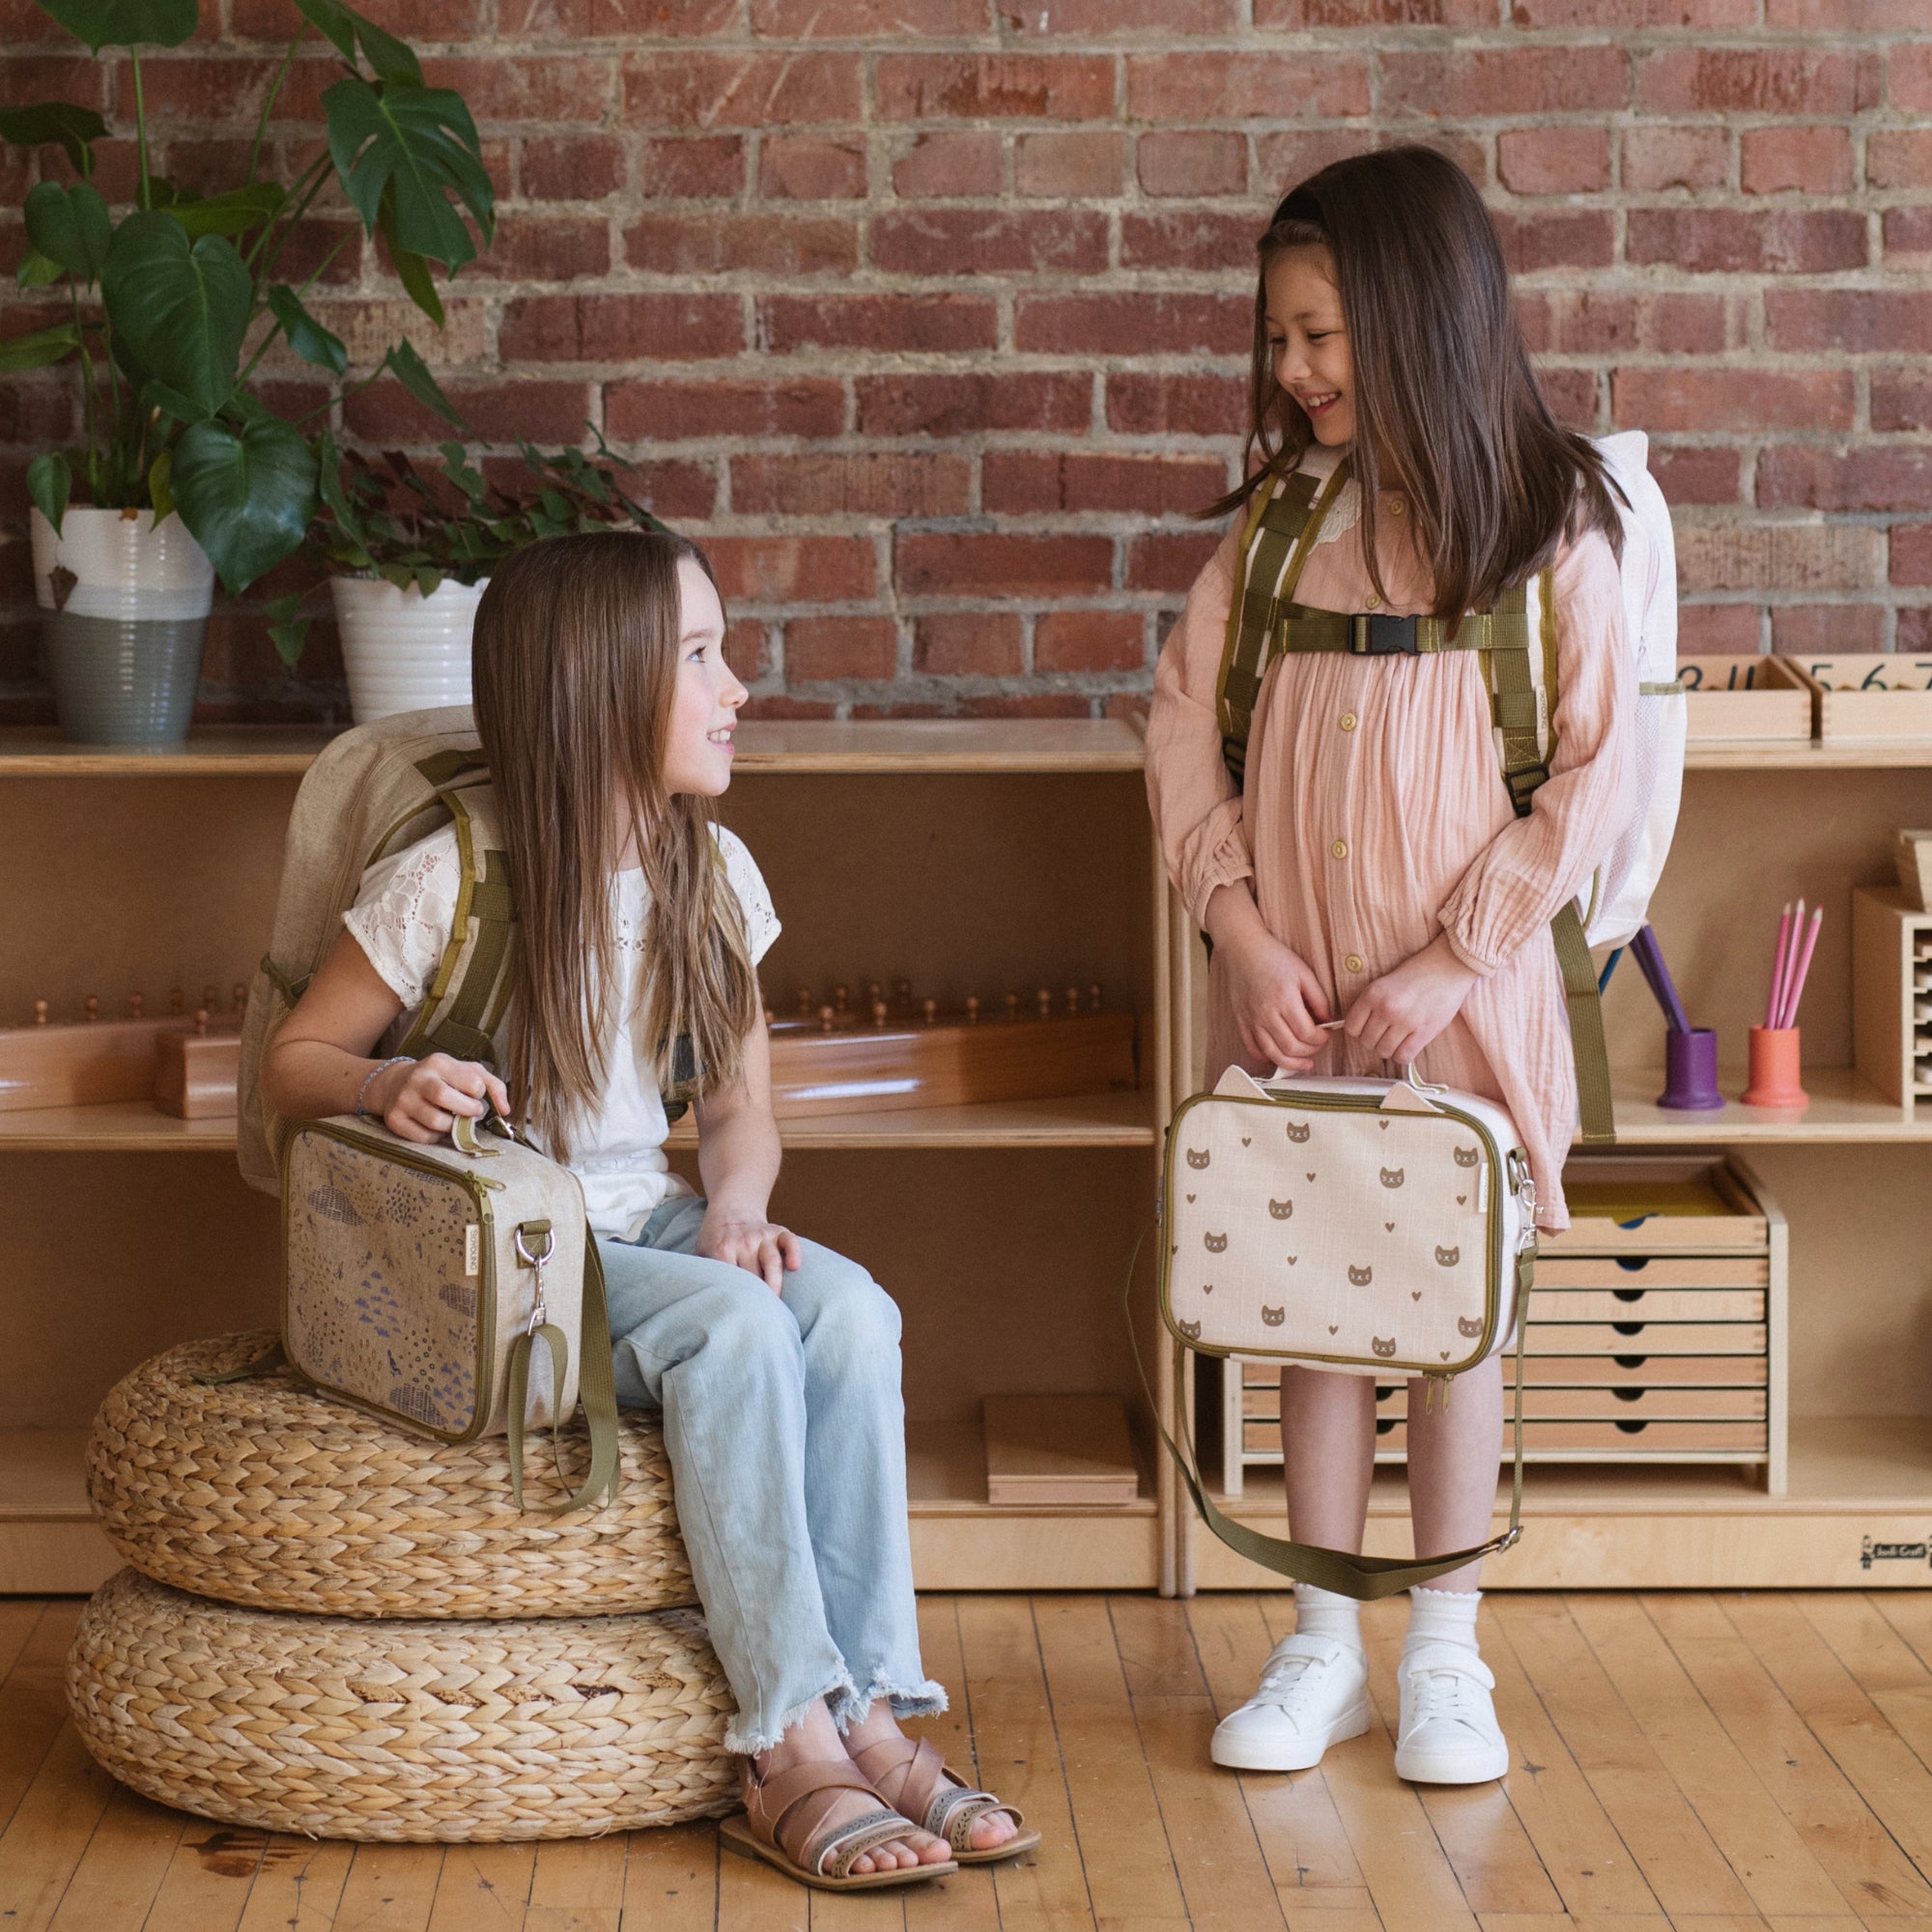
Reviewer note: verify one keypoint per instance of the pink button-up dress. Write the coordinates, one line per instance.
(1374, 817)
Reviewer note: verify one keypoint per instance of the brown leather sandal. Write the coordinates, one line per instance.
(926, 1787)
(784, 1824)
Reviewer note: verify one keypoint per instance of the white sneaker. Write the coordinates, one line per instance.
(1449, 1734)
(1314, 1694)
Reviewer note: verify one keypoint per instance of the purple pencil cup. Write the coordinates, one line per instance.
(1690, 1070)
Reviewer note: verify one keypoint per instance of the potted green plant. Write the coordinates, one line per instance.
(409, 553)
(165, 313)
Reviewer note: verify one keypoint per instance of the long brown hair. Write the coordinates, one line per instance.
(1447, 410)
(575, 666)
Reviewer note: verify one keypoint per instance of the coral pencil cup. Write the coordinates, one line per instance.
(1775, 998)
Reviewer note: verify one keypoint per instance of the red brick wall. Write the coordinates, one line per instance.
(928, 315)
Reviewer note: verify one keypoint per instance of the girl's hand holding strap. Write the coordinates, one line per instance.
(419, 1099)
(1278, 1003)
(1407, 1009)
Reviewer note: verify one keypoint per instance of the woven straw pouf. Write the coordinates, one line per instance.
(267, 1495)
(344, 1727)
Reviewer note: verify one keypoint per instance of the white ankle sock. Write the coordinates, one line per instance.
(1324, 1613)
(1440, 1616)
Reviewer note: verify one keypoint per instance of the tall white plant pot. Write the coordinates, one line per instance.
(123, 646)
(404, 651)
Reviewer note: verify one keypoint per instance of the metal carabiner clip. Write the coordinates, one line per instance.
(539, 1310)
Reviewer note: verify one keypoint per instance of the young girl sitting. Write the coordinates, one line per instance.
(606, 710)
(1370, 864)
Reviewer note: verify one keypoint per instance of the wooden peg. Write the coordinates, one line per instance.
(1013, 1006)
(904, 992)
(39, 1013)
(211, 996)
(137, 1006)
(880, 1011)
(1072, 1002)
(177, 1001)
(238, 993)
(805, 1002)
(1094, 997)
(93, 1008)
(932, 1008)
(874, 994)
(825, 1017)
(971, 1009)
(1044, 1000)
(840, 996)
(201, 1019)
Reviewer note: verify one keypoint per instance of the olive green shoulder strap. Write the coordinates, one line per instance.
(1525, 721)
(1275, 544)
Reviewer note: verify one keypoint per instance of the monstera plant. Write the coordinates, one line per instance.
(166, 309)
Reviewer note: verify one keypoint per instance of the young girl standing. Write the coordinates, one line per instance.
(1369, 866)
(605, 711)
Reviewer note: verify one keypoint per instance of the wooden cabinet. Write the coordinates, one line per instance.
(982, 857)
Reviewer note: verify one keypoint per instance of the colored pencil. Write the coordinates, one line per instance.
(1672, 1004)
(1774, 999)
(1797, 989)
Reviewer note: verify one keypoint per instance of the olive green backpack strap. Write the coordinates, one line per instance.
(1523, 726)
(1275, 543)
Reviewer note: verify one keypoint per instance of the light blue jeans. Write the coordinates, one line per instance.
(786, 1434)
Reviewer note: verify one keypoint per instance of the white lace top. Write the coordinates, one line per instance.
(402, 919)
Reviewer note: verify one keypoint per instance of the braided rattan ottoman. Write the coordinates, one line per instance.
(346, 1727)
(267, 1495)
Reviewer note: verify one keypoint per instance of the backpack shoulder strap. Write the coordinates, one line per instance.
(1280, 531)
(1525, 725)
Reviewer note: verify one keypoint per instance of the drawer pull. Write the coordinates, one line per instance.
(1384, 1423)
(1634, 1264)
(1628, 1395)
(1628, 1328)
(1628, 1361)
(1631, 1427)
(1628, 1293)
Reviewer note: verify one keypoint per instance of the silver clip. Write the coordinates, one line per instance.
(540, 1309)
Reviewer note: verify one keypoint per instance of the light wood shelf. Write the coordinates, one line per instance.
(1082, 1120)
(1843, 754)
(911, 745)
(1844, 1107)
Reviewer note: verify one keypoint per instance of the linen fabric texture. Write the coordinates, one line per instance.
(402, 919)
(1374, 815)
(785, 1430)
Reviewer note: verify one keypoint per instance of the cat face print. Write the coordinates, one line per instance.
(1467, 1156)
(1200, 1157)
(1392, 1177)
(1448, 1257)
(1299, 1133)
(1275, 1316)
(1215, 1244)
(1280, 1210)
(1381, 1347)
(1361, 1276)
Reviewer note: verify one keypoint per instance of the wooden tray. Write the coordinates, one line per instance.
(1868, 695)
(1639, 1205)
(1645, 1304)
(1638, 1404)
(1645, 1337)
(1645, 1271)
(1607, 1438)
(1261, 1392)
(1755, 697)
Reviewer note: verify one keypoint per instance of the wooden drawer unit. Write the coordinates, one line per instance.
(1656, 1329)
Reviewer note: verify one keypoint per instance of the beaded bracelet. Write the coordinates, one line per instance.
(401, 1060)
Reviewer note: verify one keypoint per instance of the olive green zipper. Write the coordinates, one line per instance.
(479, 1188)
(1360, 1104)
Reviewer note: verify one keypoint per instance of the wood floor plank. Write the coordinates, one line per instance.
(1586, 1922)
(1495, 1863)
(1889, 1776)
(969, 1903)
(49, 1833)
(577, 1886)
(1295, 1822)
(1224, 1874)
(122, 1867)
(1763, 1848)
(18, 1616)
(1889, 1670)
(298, 1886)
(32, 1700)
(389, 1888)
(1822, 1806)
(670, 1879)
(482, 1889)
(753, 1897)
(207, 1881)
(1679, 1861)
(1910, 1613)
(1123, 1845)
(1019, 1756)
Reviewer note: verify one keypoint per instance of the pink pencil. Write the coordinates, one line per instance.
(1796, 991)
(1772, 1000)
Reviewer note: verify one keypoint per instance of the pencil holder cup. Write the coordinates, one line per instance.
(1774, 1070)
(1690, 1070)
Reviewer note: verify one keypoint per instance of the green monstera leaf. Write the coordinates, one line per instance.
(343, 27)
(230, 213)
(49, 483)
(181, 306)
(246, 494)
(71, 226)
(306, 336)
(417, 147)
(124, 23)
(37, 350)
(48, 122)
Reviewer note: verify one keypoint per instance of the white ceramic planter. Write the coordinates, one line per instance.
(404, 651)
(122, 649)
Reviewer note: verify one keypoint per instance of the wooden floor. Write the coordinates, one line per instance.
(1690, 1761)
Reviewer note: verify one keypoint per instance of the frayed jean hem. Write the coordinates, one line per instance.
(748, 1740)
(922, 1700)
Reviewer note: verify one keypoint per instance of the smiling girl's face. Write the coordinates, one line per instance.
(1307, 346)
(704, 709)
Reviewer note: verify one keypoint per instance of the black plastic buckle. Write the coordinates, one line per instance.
(1374, 633)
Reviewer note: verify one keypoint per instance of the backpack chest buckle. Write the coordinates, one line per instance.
(1374, 633)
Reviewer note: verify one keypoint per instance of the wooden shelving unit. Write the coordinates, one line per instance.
(884, 844)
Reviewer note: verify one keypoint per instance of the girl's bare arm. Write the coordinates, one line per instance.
(738, 1158)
